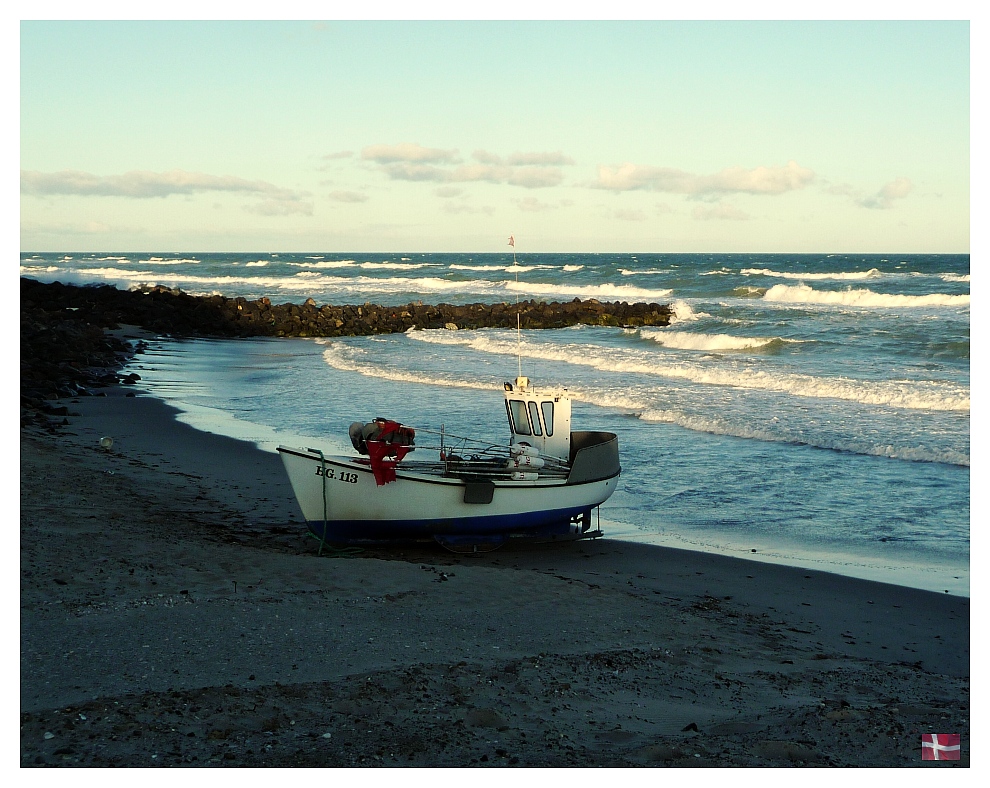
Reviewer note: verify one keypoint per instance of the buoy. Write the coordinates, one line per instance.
(526, 461)
(106, 443)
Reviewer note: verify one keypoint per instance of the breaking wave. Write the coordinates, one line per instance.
(805, 294)
(873, 273)
(604, 291)
(906, 394)
(685, 340)
(348, 358)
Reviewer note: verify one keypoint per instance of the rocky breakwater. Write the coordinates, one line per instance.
(66, 350)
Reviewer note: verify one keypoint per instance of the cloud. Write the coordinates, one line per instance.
(718, 212)
(732, 180)
(519, 159)
(532, 205)
(141, 184)
(897, 189)
(343, 154)
(487, 158)
(630, 215)
(460, 207)
(343, 196)
(407, 152)
(413, 162)
(536, 177)
(281, 208)
(527, 177)
(552, 159)
(448, 191)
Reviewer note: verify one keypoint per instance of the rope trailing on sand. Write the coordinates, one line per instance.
(337, 552)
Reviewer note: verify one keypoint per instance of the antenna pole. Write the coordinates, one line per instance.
(515, 266)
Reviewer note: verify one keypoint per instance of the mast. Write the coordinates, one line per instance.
(515, 266)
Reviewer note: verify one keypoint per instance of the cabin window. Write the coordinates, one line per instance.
(534, 415)
(518, 417)
(548, 416)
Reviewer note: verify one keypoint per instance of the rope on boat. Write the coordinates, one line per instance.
(323, 479)
(335, 552)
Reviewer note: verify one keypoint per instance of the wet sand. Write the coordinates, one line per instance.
(174, 612)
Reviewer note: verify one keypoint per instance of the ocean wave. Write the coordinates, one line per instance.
(325, 264)
(905, 394)
(717, 426)
(572, 268)
(873, 273)
(747, 291)
(38, 269)
(644, 272)
(370, 266)
(685, 340)
(347, 358)
(805, 294)
(683, 313)
(162, 261)
(351, 359)
(608, 292)
(256, 264)
(504, 269)
(954, 277)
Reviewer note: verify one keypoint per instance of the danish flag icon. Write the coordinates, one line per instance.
(940, 746)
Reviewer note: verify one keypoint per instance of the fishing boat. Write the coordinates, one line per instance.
(468, 495)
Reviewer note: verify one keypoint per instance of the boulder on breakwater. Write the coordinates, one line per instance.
(174, 313)
(67, 352)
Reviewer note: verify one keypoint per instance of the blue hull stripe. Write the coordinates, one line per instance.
(527, 524)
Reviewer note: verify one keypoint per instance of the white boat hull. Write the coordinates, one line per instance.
(342, 503)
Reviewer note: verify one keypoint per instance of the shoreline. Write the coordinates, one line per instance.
(887, 565)
(173, 573)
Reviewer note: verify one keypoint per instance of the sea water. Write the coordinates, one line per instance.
(812, 410)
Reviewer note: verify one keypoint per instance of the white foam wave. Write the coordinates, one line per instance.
(256, 264)
(324, 264)
(717, 272)
(370, 266)
(646, 271)
(301, 281)
(608, 292)
(718, 426)
(805, 294)
(954, 277)
(911, 395)
(349, 359)
(683, 313)
(873, 273)
(38, 269)
(465, 267)
(161, 261)
(685, 340)
(571, 268)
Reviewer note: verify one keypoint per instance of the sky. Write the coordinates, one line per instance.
(416, 135)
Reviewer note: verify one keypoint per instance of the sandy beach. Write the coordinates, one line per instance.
(175, 613)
